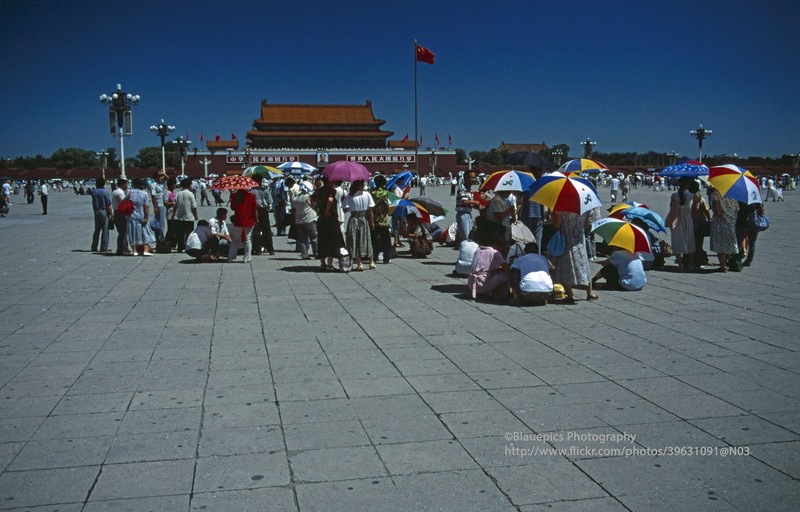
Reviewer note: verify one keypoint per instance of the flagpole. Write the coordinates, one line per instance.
(416, 116)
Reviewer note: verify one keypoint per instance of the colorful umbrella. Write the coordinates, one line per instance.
(690, 168)
(433, 207)
(235, 183)
(581, 165)
(624, 206)
(649, 217)
(263, 170)
(508, 180)
(399, 180)
(561, 193)
(344, 170)
(297, 168)
(622, 234)
(734, 182)
(404, 207)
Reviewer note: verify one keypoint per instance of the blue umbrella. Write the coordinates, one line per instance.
(399, 180)
(297, 168)
(649, 217)
(688, 168)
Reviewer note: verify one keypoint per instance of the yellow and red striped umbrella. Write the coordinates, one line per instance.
(625, 206)
(622, 234)
(735, 182)
(561, 193)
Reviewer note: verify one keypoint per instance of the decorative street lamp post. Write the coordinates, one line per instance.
(119, 117)
(183, 147)
(433, 162)
(700, 134)
(246, 157)
(557, 155)
(588, 147)
(795, 161)
(103, 157)
(205, 161)
(673, 157)
(162, 130)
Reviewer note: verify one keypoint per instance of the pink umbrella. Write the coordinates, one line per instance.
(344, 170)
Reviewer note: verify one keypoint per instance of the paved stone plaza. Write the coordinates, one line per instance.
(138, 384)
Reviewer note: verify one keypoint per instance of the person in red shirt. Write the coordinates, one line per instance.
(244, 219)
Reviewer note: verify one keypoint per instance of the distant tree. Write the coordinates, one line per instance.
(72, 158)
(151, 157)
(461, 156)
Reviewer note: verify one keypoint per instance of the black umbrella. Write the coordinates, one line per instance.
(530, 158)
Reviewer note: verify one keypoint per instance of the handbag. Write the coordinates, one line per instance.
(760, 222)
(557, 244)
(125, 206)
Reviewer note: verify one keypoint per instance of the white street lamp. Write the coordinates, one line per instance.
(119, 117)
(162, 130)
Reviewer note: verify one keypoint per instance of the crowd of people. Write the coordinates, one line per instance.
(353, 226)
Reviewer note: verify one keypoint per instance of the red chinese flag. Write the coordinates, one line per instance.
(405, 138)
(217, 137)
(449, 139)
(425, 55)
(201, 136)
(436, 138)
(233, 136)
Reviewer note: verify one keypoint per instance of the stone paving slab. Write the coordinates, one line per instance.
(130, 384)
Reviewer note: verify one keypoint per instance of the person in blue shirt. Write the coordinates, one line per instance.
(622, 270)
(101, 204)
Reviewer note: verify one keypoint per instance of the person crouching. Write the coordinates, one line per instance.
(201, 243)
(530, 277)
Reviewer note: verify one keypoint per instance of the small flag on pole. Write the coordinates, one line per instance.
(436, 138)
(449, 140)
(233, 136)
(405, 139)
(420, 139)
(201, 136)
(425, 55)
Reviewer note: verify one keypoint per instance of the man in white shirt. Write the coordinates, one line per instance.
(614, 189)
(185, 213)
(43, 196)
(220, 236)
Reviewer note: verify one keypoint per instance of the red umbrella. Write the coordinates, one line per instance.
(235, 183)
(344, 170)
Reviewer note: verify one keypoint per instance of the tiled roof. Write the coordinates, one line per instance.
(222, 144)
(319, 133)
(513, 147)
(318, 114)
(409, 144)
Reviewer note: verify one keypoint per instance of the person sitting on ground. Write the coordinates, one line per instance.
(466, 252)
(219, 229)
(622, 271)
(201, 243)
(488, 276)
(530, 277)
(419, 238)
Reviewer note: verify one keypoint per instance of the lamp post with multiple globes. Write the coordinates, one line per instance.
(119, 117)
(183, 147)
(588, 147)
(162, 129)
(700, 134)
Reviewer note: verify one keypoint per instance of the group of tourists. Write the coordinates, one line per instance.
(732, 226)
(31, 187)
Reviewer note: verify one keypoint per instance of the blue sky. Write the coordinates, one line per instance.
(633, 76)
